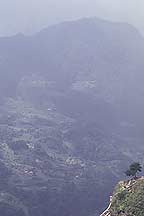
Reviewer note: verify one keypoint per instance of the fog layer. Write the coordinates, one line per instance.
(29, 16)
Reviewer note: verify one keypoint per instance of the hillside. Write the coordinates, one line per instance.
(128, 198)
(71, 107)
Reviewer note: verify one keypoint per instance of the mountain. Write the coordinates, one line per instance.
(71, 106)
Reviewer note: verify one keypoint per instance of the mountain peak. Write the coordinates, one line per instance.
(94, 22)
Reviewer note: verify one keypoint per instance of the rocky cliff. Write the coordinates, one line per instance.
(127, 199)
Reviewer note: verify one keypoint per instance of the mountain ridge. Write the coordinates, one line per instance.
(70, 99)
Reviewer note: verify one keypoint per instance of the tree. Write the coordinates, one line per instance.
(134, 168)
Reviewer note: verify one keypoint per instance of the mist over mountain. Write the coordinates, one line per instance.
(30, 16)
(71, 107)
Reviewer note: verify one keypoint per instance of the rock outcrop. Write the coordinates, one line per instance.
(128, 199)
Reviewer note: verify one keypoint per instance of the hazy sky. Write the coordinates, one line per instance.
(32, 15)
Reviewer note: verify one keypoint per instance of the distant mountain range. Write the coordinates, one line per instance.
(71, 107)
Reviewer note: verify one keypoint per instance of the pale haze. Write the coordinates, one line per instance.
(29, 16)
(71, 107)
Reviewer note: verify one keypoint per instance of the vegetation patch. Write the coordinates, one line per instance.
(129, 201)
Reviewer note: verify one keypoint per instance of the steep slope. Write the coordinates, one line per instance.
(101, 58)
(54, 164)
(128, 198)
(66, 130)
(110, 55)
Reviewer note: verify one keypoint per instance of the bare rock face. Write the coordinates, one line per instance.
(66, 130)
